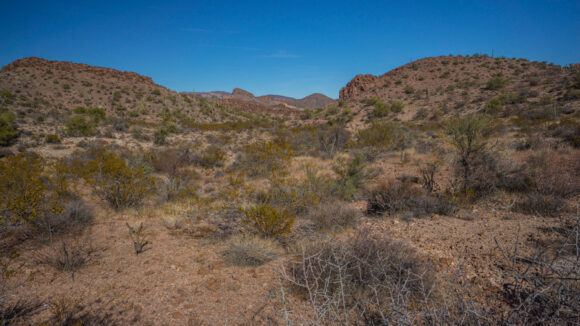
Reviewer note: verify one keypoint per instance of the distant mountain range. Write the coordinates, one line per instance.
(311, 101)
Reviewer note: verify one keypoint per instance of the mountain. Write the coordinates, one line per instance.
(311, 101)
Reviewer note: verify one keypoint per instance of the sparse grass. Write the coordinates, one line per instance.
(248, 250)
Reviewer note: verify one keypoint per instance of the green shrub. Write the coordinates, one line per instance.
(268, 220)
(113, 180)
(397, 106)
(78, 126)
(160, 136)
(382, 135)
(265, 158)
(25, 192)
(52, 139)
(496, 82)
(213, 156)
(8, 130)
(351, 175)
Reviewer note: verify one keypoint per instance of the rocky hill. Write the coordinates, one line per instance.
(40, 84)
(450, 85)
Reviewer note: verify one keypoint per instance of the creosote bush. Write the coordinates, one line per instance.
(113, 180)
(265, 158)
(78, 126)
(268, 220)
(8, 130)
(26, 194)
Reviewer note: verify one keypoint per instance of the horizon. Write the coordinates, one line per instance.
(283, 49)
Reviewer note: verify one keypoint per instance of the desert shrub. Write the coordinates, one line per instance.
(381, 110)
(246, 250)
(25, 192)
(496, 82)
(390, 197)
(294, 196)
(268, 220)
(78, 126)
(52, 139)
(69, 255)
(96, 114)
(369, 279)
(333, 139)
(568, 130)
(493, 106)
(113, 180)
(397, 106)
(138, 238)
(211, 157)
(541, 286)
(174, 162)
(352, 173)
(333, 215)
(541, 205)
(409, 89)
(381, 135)
(65, 312)
(8, 130)
(160, 136)
(120, 124)
(550, 179)
(74, 216)
(18, 312)
(264, 158)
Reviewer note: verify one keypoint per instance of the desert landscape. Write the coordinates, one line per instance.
(444, 191)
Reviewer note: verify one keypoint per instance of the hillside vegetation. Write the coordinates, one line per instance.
(444, 192)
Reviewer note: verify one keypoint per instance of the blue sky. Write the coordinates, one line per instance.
(291, 48)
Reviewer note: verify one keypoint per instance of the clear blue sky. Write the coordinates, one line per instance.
(292, 48)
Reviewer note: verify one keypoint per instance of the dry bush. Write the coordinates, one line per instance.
(16, 313)
(75, 216)
(369, 279)
(69, 255)
(552, 178)
(543, 288)
(175, 162)
(332, 140)
(390, 197)
(211, 157)
(247, 250)
(333, 215)
(268, 220)
(66, 312)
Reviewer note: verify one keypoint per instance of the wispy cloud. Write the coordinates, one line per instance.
(280, 55)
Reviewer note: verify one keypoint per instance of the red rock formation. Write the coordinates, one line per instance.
(359, 84)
